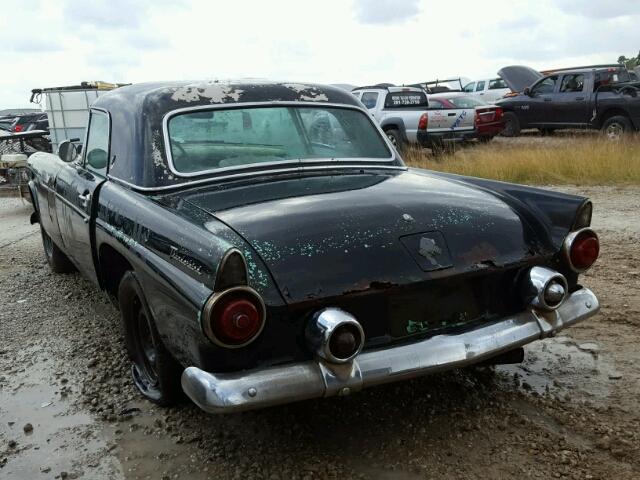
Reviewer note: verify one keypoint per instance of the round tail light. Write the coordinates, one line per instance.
(582, 249)
(234, 317)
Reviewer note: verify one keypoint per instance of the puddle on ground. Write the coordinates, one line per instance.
(62, 439)
(563, 367)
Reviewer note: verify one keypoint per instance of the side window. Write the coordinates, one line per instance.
(437, 104)
(480, 86)
(470, 87)
(497, 84)
(370, 99)
(572, 83)
(547, 85)
(97, 148)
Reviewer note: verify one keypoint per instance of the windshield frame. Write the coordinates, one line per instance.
(393, 159)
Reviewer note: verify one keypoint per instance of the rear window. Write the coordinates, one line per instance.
(406, 99)
(206, 140)
(497, 83)
(611, 76)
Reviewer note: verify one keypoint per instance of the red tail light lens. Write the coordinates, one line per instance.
(582, 248)
(498, 115)
(234, 318)
(18, 128)
(423, 123)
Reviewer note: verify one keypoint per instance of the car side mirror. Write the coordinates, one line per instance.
(67, 151)
(527, 91)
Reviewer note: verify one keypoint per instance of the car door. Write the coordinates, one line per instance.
(480, 88)
(76, 186)
(571, 103)
(540, 109)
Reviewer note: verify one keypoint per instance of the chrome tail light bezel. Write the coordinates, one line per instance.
(322, 327)
(537, 282)
(567, 245)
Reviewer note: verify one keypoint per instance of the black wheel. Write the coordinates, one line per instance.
(511, 125)
(155, 372)
(57, 260)
(395, 137)
(614, 128)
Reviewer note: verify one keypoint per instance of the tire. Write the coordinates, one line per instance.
(616, 127)
(511, 125)
(396, 139)
(155, 372)
(56, 258)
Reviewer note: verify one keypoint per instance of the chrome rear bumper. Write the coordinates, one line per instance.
(251, 389)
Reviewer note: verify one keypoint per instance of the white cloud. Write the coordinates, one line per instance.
(386, 12)
(336, 41)
(598, 9)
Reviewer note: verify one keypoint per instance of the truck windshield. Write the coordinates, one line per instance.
(206, 140)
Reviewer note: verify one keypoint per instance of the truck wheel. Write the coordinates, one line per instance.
(616, 127)
(511, 125)
(155, 372)
(395, 137)
(57, 260)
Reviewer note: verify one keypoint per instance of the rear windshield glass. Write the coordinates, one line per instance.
(467, 102)
(212, 139)
(406, 99)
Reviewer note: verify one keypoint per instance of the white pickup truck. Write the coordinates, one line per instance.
(405, 116)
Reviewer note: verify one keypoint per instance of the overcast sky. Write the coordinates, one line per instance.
(47, 43)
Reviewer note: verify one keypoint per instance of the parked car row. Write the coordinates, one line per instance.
(435, 113)
(408, 115)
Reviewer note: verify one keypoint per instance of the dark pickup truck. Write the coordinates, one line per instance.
(602, 98)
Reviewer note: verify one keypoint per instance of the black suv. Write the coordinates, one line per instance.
(602, 97)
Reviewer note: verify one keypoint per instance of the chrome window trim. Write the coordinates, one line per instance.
(84, 164)
(229, 106)
(252, 173)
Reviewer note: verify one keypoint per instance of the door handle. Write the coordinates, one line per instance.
(85, 199)
(579, 99)
(548, 99)
(451, 114)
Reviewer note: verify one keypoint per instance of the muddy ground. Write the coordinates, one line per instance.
(68, 408)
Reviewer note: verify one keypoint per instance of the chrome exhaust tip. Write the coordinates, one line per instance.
(544, 289)
(334, 335)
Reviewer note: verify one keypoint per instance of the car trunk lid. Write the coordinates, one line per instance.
(330, 235)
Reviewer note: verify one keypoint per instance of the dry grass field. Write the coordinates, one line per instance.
(561, 159)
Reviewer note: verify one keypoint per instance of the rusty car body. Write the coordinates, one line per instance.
(265, 243)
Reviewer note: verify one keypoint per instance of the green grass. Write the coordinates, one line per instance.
(542, 161)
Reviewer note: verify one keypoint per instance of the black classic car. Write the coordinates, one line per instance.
(265, 243)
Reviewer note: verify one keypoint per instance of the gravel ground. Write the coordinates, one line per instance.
(68, 408)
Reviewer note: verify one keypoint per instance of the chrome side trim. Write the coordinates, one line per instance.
(245, 390)
(253, 173)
